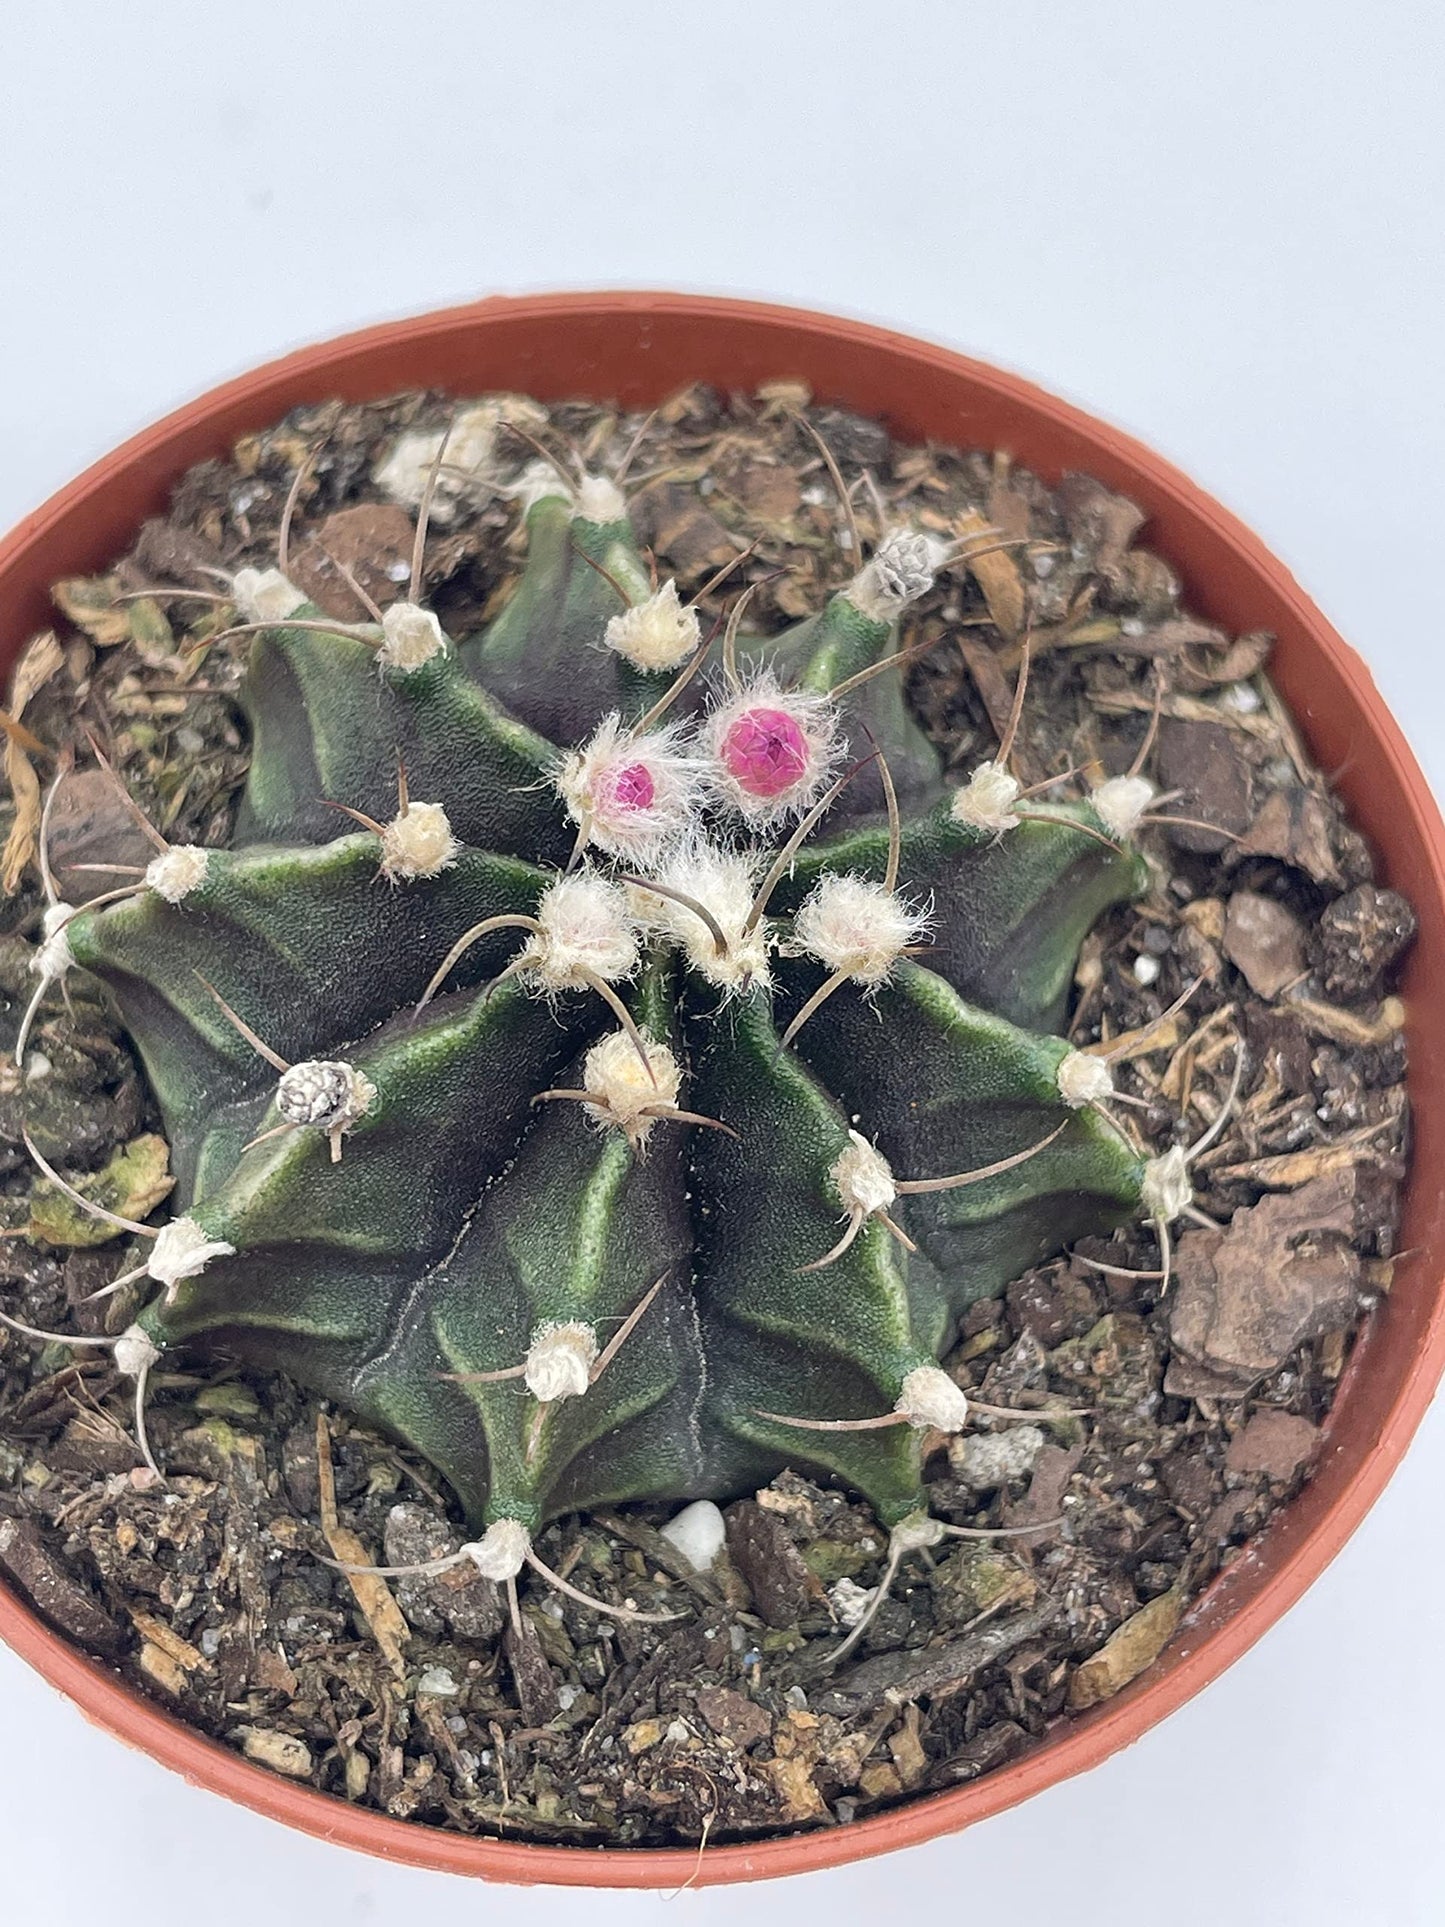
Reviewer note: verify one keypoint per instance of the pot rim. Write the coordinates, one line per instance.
(1393, 799)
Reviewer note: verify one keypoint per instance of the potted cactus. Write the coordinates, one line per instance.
(612, 1056)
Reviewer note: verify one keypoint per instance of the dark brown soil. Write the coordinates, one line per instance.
(1203, 1407)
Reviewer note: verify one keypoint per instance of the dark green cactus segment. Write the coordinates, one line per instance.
(576, 1227)
(331, 1279)
(328, 726)
(1010, 911)
(307, 946)
(578, 1232)
(544, 655)
(829, 1344)
(944, 1088)
(453, 1094)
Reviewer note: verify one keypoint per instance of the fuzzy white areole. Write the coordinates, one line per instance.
(1084, 1078)
(183, 1249)
(265, 595)
(657, 634)
(178, 872)
(1121, 803)
(586, 929)
(621, 1091)
(727, 947)
(986, 801)
(930, 1401)
(902, 568)
(324, 1094)
(1166, 1191)
(560, 1360)
(418, 842)
(863, 1177)
(411, 637)
(856, 927)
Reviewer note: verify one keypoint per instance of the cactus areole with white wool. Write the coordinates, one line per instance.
(628, 1102)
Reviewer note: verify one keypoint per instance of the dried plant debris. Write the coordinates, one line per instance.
(1160, 1420)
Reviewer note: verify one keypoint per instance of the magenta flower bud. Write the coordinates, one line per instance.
(773, 750)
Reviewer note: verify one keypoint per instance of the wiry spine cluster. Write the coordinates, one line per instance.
(654, 1123)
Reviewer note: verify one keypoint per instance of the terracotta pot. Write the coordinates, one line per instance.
(636, 348)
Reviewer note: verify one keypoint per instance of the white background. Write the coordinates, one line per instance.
(1218, 224)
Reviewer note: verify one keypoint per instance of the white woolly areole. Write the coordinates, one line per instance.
(53, 956)
(699, 1533)
(917, 1533)
(183, 1249)
(986, 800)
(613, 1075)
(599, 500)
(264, 595)
(1084, 1079)
(660, 633)
(856, 926)
(902, 569)
(501, 1552)
(586, 926)
(177, 871)
(1120, 803)
(325, 1093)
(1166, 1190)
(539, 482)
(863, 1178)
(410, 637)
(471, 450)
(559, 1361)
(930, 1401)
(771, 752)
(135, 1352)
(634, 794)
(726, 882)
(418, 842)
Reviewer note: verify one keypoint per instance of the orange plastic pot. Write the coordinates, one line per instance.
(636, 348)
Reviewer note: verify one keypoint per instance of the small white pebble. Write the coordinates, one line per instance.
(37, 1065)
(437, 1681)
(985, 1460)
(1146, 969)
(849, 1601)
(796, 1697)
(1242, 697)
(279, 1751)
(568, 1696)
(678, 1732)
(699, 1533)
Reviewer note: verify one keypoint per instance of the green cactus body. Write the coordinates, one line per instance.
(503, 1187)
